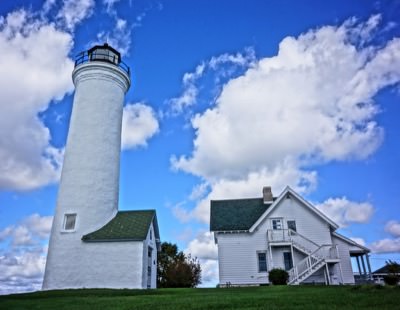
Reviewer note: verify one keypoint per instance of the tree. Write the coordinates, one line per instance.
(175, 269)
(393, 276)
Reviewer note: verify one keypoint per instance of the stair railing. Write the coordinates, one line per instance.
(308, 264)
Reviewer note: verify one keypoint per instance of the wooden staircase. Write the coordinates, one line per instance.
(317, 256)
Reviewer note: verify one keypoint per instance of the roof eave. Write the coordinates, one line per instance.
(113, 240)
(351, 241)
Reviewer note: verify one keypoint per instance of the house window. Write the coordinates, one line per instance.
(69, 221)
(287, 260)
(291, 225)
(262, 262)
(151, 234)
(276, 223)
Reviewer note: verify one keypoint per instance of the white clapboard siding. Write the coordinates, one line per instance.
(238, 258)
(308, 223)
(345, 260)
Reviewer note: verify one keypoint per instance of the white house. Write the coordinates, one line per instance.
(92, 244)
(258, 234)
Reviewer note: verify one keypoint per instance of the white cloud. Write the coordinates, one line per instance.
(360, 241)
(110, 6)
(209, 273)
(34, 69)
(22, 271)
(22, 265)
(139, 124)
(120, 37)
(30, 231)
(249, 186)
(74, 12)
(199, 191)
(223, 66)
(203, 246)
(386, 246)
(310, 104)
(343, 212)
(393, 227)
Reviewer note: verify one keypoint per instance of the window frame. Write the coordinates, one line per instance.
(289, 260)
(65, 222)
(288, 226)
(275, 221)
(259, 262)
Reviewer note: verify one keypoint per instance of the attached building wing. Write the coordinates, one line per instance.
(126, 226)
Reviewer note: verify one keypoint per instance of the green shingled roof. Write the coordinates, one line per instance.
(125, 226)
(236, 214)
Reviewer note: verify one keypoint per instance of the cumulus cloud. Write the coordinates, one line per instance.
(386, 246)
(209, 273)
(310, 104)
(74, 12)
(120, 36)
(204, 248)
(393, 227)
(249, 186)
(22, 271)
(22, 264)
(34, 69)
(343, 211)
(223, 66)
(360, 241)
(139, 124)
(110, 6)
(30, 231)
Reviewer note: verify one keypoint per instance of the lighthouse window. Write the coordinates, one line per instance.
(69, 221)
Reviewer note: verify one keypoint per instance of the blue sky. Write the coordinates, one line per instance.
(227, 96)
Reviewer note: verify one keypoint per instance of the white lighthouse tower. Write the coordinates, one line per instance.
(88, 192)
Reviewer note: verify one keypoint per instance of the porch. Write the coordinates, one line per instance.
(314, 259)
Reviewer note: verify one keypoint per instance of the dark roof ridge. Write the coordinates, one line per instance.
(236, 199)
(142, 210)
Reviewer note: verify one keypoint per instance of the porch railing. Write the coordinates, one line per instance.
(291, 236)
(313, 262)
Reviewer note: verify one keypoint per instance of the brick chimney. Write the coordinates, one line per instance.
(267, 194)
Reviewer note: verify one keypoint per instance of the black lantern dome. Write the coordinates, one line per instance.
(104, 53)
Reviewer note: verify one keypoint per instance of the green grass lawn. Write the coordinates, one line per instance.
(271, 297)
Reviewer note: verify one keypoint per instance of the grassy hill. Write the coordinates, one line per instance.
(272, 297)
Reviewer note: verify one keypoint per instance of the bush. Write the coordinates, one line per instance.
(391, 279)
(278, 276)
(393, 276)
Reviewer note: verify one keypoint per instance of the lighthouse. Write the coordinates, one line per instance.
(92, 244)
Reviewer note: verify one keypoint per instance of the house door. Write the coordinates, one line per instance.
(287, 260)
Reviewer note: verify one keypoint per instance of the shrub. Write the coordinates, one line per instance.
(391, 279)
(393, 276)
(278, 276)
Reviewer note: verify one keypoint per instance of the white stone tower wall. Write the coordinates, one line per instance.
(90, 176)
